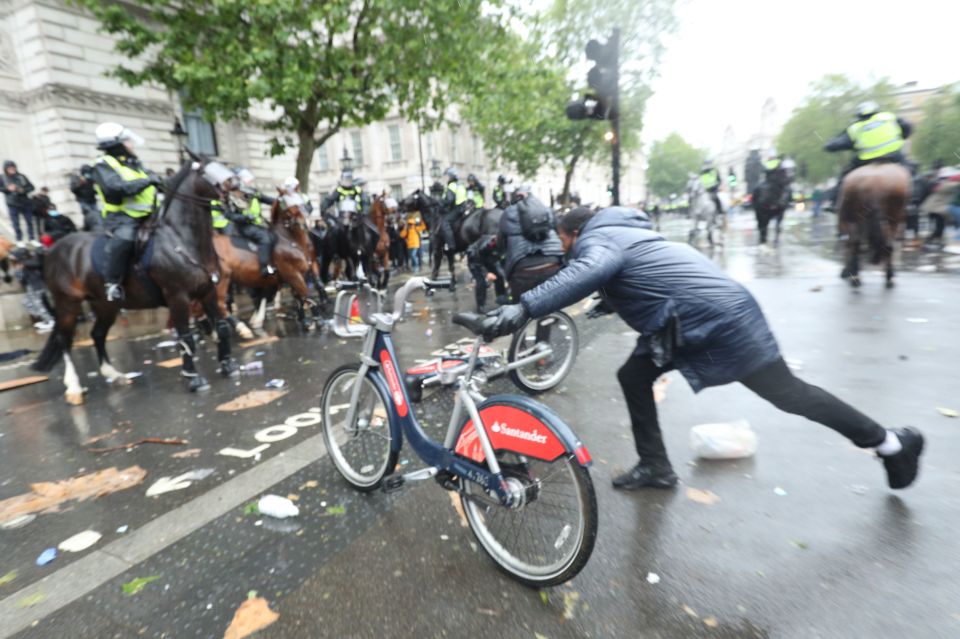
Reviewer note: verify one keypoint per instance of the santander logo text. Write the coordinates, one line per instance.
(530, 436)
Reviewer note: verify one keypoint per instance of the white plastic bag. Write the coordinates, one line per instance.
(277, 506)
(723, 441)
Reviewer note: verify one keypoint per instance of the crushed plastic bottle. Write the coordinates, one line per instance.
(277, 506)
(732, 440)
(255, 366)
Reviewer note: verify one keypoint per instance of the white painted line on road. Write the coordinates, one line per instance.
(72, 582)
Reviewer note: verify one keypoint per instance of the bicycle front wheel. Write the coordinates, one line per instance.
(547, 538)
(547, 348)
(361, 448)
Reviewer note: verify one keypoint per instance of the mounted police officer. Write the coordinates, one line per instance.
(475, 191)
(346, 189)
(452, 205)
(710, 179)
(248, 202)
(128, 194)
(876, 136)
(292, 186)
(777, 171)
(500, 198)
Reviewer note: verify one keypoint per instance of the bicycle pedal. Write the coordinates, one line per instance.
(393, 483)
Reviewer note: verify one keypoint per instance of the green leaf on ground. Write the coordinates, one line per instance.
(336, 510)
(251, 509)
(138, 584)
(802, 545)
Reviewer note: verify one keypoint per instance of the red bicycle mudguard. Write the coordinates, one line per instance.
(519, 425)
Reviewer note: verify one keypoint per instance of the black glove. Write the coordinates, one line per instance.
(155, 179)
(504, 321)
(601, 309)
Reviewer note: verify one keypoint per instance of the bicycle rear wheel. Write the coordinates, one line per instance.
(361, 450)
(556, 340)
(548, 537)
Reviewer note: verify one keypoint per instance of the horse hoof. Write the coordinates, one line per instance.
(229, 368)
(74, 398)
(855, 281)
(244, 332)
(890, 284)
(198, 384)
(844, 274)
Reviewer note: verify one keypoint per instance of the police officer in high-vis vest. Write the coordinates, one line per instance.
(877, 136)
(452, 205)
(127, 192)
(710, 179)
(475, 191)
(500, 198)
(346, 189)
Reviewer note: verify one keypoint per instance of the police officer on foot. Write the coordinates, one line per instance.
(693, 318)
(454, 198)
(128, 194)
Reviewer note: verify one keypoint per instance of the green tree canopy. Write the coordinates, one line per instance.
(827, 111)
(670, 164)
(319, 66)
(937, 138)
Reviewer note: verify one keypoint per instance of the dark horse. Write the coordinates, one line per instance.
(183, 267)
(362, 239)
(873, 204)
(467, 229)
(770, 200)
(333, 243)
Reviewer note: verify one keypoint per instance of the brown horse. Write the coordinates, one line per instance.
(182, 268)
(293, 255)
(873, 204)
(5, 247)
(379, 262)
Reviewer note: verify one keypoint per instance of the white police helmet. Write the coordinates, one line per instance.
(111, 134)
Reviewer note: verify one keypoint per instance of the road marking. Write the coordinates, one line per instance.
(75, 580)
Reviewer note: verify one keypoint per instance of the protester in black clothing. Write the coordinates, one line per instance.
(81, 185)
(57, 226)
(17, 189)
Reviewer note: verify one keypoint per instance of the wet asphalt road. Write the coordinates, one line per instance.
(805, 540)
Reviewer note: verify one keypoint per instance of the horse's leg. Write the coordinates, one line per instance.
(106, 315)
(776, 236)
(852, 269)
(436, 258)
(180, 314)
(66, 325)
(212, 307)
(256, 320)
(453, 276)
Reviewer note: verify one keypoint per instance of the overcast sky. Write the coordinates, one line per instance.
(729, 56)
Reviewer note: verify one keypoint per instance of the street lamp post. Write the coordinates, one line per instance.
(435, 174)
(346, 162)
(180, 136)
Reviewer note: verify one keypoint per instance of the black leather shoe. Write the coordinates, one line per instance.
(902, 468)
(641, 476)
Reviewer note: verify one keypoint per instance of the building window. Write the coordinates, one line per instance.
(201, 137)
(476, 150)
(396, 191)
(431, 146)
(454, 147)
(356, 140)
(323, 158)
(396, 151)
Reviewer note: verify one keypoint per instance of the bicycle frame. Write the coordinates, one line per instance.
(378, 363)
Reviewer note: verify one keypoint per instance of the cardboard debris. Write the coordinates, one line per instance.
(253, 614)
(260, 340)
(252, 399)
(47, 497)
(170, 363)
(702, 496)
(23, 381)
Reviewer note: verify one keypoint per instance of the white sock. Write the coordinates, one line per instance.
(890, 446)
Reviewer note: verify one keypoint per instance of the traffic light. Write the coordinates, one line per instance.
(603, 80)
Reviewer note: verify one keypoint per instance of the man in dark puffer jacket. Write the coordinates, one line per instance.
(693, 318)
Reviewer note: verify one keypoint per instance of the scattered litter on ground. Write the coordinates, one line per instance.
(253, 614)
(31, 600)
(252, 399)
(169, 343)
(570, 603)
(802, 545)
(190, 452)
(702, 496)
(147, 362)
(310, 483)
(252, 367)
(653, 578)
(336, 510)
(48, 496)
(80, 541)
(690, 611)
(293, 497)
(428, 332)
(723, 440)
(947, 412)
(7, 578)
(917, 320)
(779, 491)
(710, 622)
(134, 586)
(258, 522)
(544, 597)
(146, 440)
(276, 383)
(47, 556)
(277, 506)
(122, 529)
(169, 484)
(859, 489)
(445, 537)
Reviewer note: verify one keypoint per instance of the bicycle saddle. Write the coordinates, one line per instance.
(473, 322)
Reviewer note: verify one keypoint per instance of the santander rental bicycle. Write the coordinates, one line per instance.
(521, 473)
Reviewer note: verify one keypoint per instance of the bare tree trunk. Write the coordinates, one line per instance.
(567, 178)
(305, 156)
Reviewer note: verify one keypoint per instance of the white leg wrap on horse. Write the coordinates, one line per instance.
(110, 373)
(70, 378)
